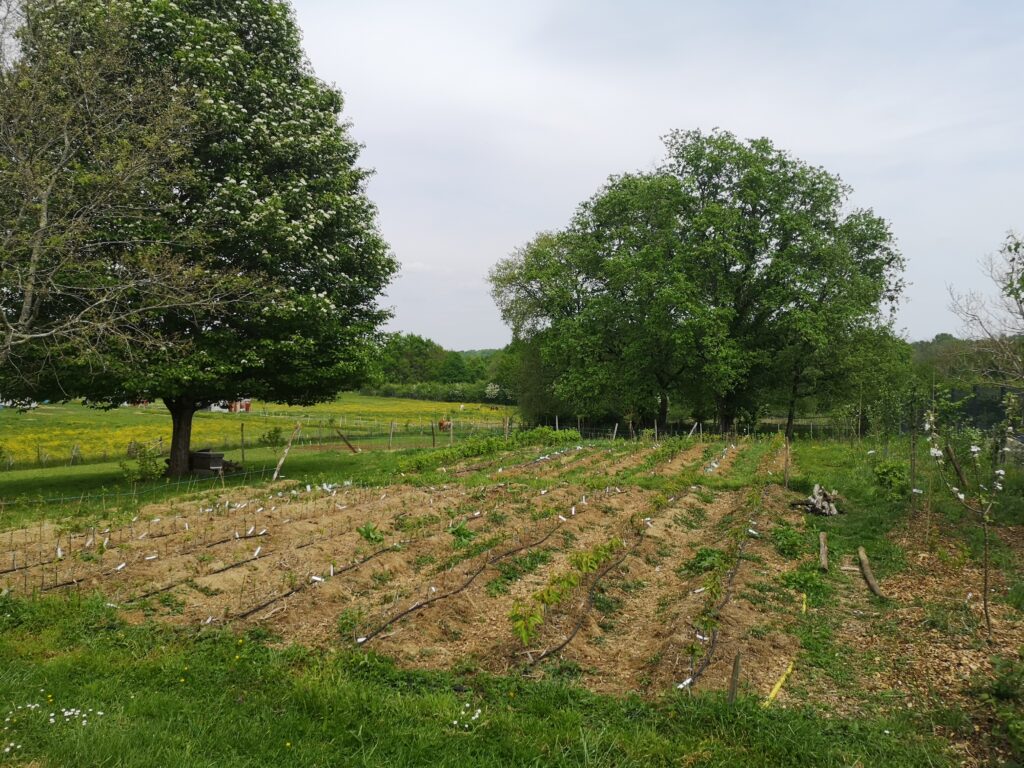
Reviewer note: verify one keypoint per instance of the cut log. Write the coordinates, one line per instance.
(865, 569)
(823, 551)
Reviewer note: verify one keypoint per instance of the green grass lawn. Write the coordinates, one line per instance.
(178, 697)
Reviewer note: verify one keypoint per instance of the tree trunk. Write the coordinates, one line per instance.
(663, 411)
(182, 410)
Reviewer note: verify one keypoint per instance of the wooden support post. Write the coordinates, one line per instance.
(913, 453)
(433, 436)
(865, 568)
(823, 551)
(556, 422)
(451, 432)
(734, 681)
(655, 430)
(506, 420)
(243, 441)
(616, 430)
(951, 455)
(345, 439)
(391, 435)
(786, 477)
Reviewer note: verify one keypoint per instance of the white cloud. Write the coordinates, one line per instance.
(487, 123)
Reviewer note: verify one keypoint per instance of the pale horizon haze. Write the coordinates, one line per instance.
(486, 123)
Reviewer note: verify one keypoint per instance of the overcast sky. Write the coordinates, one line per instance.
(487, 122)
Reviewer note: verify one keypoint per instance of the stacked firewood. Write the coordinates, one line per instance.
(820, 502)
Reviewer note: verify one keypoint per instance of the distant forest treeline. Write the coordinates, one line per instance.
(413, 366)
(417, 367)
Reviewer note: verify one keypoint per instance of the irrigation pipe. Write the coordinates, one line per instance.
(589, 604)
(437, 598)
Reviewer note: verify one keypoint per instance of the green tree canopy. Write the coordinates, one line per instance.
(721, 279)
(277, 198)
(410, 359)
(91, 154)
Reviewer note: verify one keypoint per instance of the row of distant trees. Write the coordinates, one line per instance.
(412, 366)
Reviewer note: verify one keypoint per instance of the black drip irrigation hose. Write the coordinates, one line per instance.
(437, 598)
(706, 661)
(589, 604)
(351, 566)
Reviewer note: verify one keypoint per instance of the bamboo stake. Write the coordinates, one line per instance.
(778, 686)
(287, 448)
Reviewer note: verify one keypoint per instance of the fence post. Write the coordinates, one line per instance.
(433, 436)
(243, 441)
(391, 435)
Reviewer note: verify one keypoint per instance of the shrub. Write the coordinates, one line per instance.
(272, 438)
(488, 446)
(148, 464)
(706, 560)
(891, 477)
(1004, 694)
(788, 541)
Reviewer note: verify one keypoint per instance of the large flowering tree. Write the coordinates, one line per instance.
(276, 199)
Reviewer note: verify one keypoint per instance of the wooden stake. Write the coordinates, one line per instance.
(345, 439)
(734, 681)
(433, 436)
(616, 430)
(391, 435)
(786, 478)
(913, 454)
(823, 551)
(865, 568)
(243, 442)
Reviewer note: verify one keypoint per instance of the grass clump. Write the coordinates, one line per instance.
(510, 571)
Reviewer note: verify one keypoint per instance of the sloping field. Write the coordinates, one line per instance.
(634, 588)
